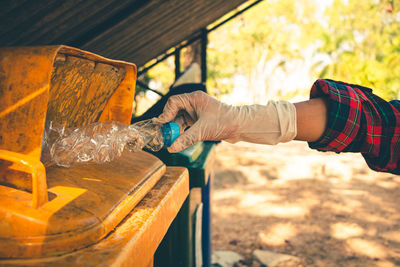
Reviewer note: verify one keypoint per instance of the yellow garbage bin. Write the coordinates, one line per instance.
(50, 214)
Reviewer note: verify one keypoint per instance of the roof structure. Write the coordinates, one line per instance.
(131, 30)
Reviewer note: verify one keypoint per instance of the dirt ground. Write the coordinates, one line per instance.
(328, 209)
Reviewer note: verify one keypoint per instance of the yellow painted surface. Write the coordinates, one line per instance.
(135, 240)
(47, 211)
(80, 211)
(35, 168)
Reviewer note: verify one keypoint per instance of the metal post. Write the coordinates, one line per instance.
(203, 55)
(177, 63)
(206, 231)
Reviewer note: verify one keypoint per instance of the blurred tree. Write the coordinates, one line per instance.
(260, 42)
(362, 39)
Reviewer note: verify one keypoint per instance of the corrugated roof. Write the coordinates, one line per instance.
(134, 30)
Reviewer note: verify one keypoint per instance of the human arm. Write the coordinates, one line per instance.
(339, 117)
(271, 123)
(360, 121)
(311, 119)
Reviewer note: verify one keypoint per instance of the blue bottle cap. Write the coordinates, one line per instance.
(170, 132)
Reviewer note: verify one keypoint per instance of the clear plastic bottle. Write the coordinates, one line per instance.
(105, 141)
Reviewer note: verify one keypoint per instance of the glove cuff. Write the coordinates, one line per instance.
(270, 124)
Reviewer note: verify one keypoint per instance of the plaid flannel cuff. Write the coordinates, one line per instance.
(344, 115)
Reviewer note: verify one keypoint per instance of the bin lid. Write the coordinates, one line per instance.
(85, 203)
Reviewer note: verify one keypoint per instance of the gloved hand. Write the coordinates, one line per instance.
(212, 120)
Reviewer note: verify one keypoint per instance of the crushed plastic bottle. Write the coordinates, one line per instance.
(105, 141)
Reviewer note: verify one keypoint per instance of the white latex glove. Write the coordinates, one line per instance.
(212, 120)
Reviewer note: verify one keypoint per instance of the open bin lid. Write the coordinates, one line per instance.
(54, 210)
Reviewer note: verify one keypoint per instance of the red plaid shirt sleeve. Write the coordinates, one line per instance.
(359, 121)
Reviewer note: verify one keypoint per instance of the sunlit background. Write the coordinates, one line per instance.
(278, 48)
(327, 209)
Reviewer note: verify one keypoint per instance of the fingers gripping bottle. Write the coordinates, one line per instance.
(104, 141)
